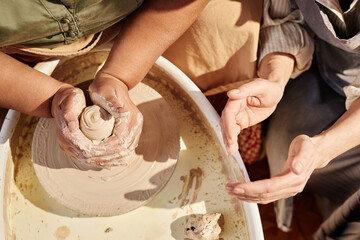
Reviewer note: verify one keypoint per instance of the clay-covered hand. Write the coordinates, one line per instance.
(112, 94)
(302, 160)
(67, 105)
(248, 105)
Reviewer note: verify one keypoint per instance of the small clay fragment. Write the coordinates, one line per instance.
(205, 227)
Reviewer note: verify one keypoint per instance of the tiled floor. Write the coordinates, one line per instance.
(306, 218)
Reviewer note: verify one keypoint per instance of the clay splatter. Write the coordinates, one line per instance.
(62, 233)
(189, 193)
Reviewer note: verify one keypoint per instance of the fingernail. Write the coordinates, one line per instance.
(235, 91)
(239, 190)
(229, 188)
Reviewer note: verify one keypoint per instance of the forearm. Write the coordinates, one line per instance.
(277, 67)
(341, 136)
(25, 89)
(147, 34)
(283, 31)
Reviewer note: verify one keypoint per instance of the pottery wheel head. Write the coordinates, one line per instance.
(105, 192)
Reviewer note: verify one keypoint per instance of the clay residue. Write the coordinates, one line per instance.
(190, 189)
(62, 233)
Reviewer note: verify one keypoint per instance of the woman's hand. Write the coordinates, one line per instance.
(248, 105)
(112, 94)
(67, 106)
(304, 157)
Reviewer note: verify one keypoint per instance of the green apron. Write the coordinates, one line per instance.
(39, 23)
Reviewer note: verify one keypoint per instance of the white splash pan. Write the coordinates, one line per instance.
(234, 166)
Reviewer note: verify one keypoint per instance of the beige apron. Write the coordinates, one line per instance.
(219, 52)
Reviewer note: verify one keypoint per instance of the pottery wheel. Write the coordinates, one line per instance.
(105, 192)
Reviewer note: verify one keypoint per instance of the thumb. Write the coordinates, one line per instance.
(109, 103)
(237, 93)
(297, 167)
(71, 108)
(294, 163)
(295, 160)
(77, 101)
(299, 154)
(252, 88)
(110, 94)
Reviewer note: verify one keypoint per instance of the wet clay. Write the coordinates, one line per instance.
(116, 190)
(96, 123)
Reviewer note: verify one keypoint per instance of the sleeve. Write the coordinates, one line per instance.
(283, 30)
(352, 92)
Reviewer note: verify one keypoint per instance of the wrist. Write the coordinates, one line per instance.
(277, 67)
(103, 78)
(277, 77)
(129, 77)
(324, 149)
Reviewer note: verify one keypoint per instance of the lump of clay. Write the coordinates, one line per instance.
(205, 227)
(96, 123)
